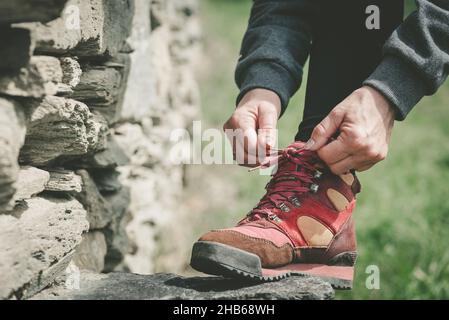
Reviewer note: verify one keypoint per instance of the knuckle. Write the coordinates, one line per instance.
(372, 153)
(323, 155)
(231, 122)
(336, 112)
(358, 143)
(319, 130)
(382, 155)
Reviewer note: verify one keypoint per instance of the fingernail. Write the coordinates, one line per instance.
(309, 144)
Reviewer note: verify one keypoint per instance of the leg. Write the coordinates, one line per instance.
(344, 53)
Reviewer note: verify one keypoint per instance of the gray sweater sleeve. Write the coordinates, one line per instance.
(416, 57)
(275, 47)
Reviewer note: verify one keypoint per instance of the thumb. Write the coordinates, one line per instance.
(267, 133)
(325, 130)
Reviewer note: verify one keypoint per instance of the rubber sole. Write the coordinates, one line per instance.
(223, 260)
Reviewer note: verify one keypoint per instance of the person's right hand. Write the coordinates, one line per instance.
(251, 129)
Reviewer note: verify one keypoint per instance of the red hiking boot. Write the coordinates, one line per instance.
(303, 225)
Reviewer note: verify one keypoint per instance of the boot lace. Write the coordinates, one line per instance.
(287, 185)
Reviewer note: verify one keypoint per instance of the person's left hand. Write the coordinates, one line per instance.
(363, 121)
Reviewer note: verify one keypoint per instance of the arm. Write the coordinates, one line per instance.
(415, 64)
(275, 47)
(274, 50)
(416, 57)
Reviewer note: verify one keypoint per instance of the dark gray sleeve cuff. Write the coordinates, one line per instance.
(270, 76)
(399, 83)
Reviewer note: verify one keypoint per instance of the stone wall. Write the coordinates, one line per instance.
(89, 93)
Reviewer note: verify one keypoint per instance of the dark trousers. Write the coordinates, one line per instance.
(344, 53)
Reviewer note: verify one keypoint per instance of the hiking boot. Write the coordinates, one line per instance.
(302, 225)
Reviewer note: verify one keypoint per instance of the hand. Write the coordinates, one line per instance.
(364, 122)
(252, 127)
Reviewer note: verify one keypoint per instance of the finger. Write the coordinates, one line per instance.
(350, 163)
(249, 161)
(266, 133)
(365, 167)
(325, 130)
(333, 152)
(343, 166)
(243, 137)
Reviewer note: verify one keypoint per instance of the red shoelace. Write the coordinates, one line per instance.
(286, 184)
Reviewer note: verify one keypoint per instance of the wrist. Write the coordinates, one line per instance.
(381, 102)
(262, 95)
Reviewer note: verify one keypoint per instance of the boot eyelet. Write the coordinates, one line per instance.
(317, 174)
(314, 188)
(275, 218)
(295, 202)
(284, 207)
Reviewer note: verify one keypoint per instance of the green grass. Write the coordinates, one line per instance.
(403, 212)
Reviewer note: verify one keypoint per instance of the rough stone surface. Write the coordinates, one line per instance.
(117, 237)
(40, 77)
(111, 156)
(126, 286)
(16, 265)
(153, 181)
(47, 229)
(30, 10)
(98, 87)
(98, 101)
(12, 134)
(99, 211)
(139, 88)
(64, 181)
(16, 49)
(71, 71)
(102, 27)
(60, 127)
(30, 182)
(106, 180)
(91, 252)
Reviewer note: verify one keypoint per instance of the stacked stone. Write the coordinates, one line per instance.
(89, 91)
(167, 46)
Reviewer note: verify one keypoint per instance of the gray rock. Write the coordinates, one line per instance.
(64, 181)
(98, 86)
(17, 48)
(16, 264)
(45, 234)
(139, 88)
(115, 88)
(116, 235)
(30, 182)
(110, 157)
(138, 146)
(71, 71)
(128, 286)
(61, 128)
(30, 10)
(54, 224)
(45, 277)
(99, 211)
(103, 27)
(91, 252)
(40, 77)
(106, 180)
(12, 134)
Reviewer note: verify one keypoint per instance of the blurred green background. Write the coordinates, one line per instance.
(403, 212)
